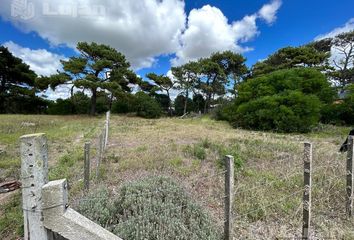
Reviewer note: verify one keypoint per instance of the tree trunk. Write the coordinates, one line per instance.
(93, 101)
(185, 102)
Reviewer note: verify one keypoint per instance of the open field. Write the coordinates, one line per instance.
(268, 176)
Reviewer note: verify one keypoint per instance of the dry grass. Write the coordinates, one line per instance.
(268, 177)
(269, 183)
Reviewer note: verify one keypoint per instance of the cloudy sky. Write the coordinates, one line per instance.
(158, 34)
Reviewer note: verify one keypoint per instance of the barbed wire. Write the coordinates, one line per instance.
(267, 184)
(269, 205)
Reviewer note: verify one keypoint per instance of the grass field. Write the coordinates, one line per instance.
(268, 176)
(66, 135)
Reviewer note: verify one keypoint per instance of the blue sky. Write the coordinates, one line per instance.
(155, 34)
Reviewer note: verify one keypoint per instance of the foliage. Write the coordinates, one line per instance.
(61, 107)
(90, 69)
(152, 208)
(163, 83)
(125, 103)
(284, 101)
(311, 55)
(16, 83)
(164, 101)
(341, 111)
(186, 77)
(179, 105)
(290, 111)
(305, 80)
(147, 106)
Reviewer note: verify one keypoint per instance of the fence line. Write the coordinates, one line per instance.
(41, 198)
(101, 146)
(45, 204)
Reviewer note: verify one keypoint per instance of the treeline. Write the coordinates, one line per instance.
(291, 91)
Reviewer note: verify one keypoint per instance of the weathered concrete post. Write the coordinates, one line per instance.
(100, 153)
(87, 166)
(307, 190)
(229, 192)
(34, 174)
(108, 115)
(61, 219)
(350, 180)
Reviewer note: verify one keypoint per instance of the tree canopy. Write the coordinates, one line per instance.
(17, 80)
(98, 67)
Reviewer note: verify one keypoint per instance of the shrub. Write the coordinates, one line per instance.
(147, 106)
(61, 107)
(124, 104)
(288, 112)
(342, 111)
(153, 208)
(287, 100)
(306, 80)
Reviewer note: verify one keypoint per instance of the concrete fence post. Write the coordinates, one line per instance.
(108, 115)
(61, 219)
(229, 192)
(87, 166)
(307, 190)
(100, 153)
(34, 174)
(350, 180)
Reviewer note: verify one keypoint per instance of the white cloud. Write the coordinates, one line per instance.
(268, 11)
(40, 61)
(348, 26)
(208, 31)
(140, 29)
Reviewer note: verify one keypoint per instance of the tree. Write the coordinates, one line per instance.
(186, 78)
(344, 46)
(179, 104)
(234, 67)
(217, 72)
(16, 79)
(164, 83)
(314, 55)
(212, 81)
(90, 71)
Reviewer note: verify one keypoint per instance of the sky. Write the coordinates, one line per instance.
(157, 34)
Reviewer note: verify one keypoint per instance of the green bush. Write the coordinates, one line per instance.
(61, 107)
(288, 112)
(306, 80)
(147, 106)
(153, 208)
(287, 100)
(124, 104)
